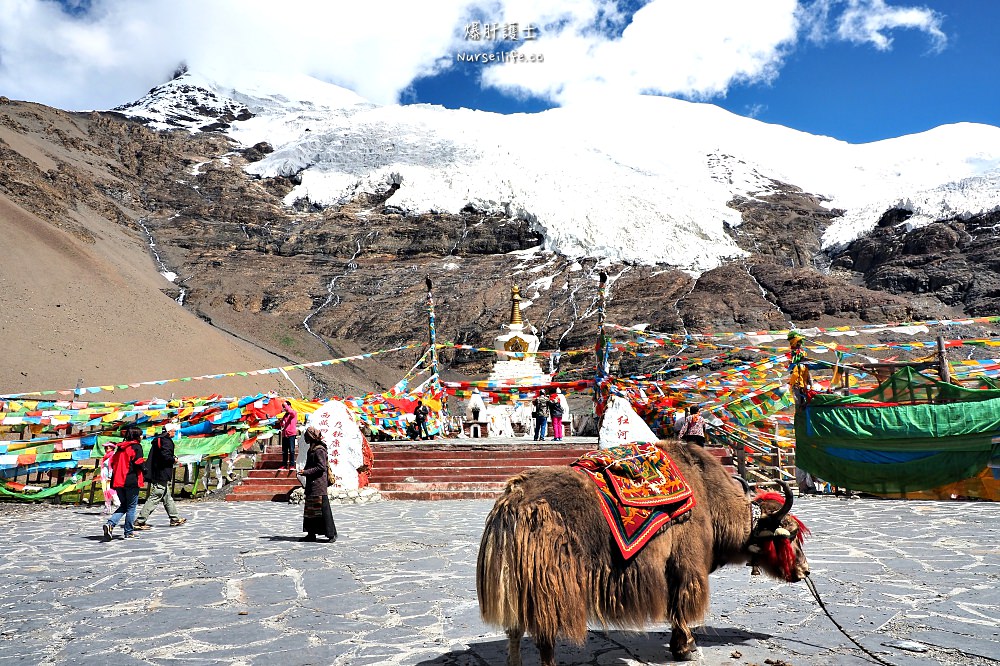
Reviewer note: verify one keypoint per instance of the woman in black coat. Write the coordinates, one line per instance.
(317, 515)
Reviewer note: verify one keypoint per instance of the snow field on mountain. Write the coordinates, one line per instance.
(644, 180)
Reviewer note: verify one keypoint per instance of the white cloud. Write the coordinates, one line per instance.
(869, 22)
(118, 49)
(696, 49)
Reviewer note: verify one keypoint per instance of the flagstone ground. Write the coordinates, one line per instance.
(235, 587)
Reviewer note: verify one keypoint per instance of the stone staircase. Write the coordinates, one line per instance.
(265, 482)
(463, 469)
(437, 469)
(722, 453)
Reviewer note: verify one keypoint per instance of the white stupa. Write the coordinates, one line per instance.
(522, 369)
(516, 366)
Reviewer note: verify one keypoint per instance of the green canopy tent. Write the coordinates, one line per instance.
(911, 433)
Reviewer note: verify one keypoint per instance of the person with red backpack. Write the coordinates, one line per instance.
(160, 467)
(126, 480)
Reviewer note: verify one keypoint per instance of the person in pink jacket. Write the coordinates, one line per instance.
(288, 426)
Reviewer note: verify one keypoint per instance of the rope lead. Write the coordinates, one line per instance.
(815, 593)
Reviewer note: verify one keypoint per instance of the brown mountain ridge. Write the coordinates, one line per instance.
(93, 206)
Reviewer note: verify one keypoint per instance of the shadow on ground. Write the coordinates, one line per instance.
(600, 648)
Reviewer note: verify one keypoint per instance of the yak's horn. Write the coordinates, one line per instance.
(787, 506)
(743, 482)
(782, 532)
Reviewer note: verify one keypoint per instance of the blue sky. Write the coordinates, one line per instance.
(850, 91)
(857, 93)
(858, 70)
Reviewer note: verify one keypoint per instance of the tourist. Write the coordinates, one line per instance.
(160, 465)
(556, 412)
(805, 481)
(422, 413)
(126, 479)
(317, 516)
(693, 429)
(288, 426)
(410, 427)
(539, 412)
(567, 424)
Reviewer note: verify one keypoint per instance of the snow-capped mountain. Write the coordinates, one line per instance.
(645, 180)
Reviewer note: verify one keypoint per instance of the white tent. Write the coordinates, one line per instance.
(621, 425)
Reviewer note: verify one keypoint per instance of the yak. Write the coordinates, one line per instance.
(548, 563)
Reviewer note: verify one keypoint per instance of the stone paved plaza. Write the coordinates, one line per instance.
(914, 582)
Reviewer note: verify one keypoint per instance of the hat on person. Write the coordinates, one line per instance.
(795, 335)
(475, 390)
(559, 391)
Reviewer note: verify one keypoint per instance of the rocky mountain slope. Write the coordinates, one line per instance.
(292, 278)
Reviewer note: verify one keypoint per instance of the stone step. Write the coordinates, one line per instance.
(270, 474)
(269, 483)
(471, 486)
(721, 453)
(257, 497)
(478, 454)
(436, 469)
(437, 495)
(444, 478)
(246, 493)
(459, 461)
(478, 467)
(444, 463)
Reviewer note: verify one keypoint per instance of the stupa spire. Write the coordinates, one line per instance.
(515, 307)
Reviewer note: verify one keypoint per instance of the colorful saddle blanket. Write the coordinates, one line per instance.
(640, 489)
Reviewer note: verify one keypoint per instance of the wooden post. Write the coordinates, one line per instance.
(777, 459)
(194, 482)
(430, 325)
(943, 370)
(602, 359)
(93, 483)
(601, 369)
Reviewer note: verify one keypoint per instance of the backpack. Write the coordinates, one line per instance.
(147, 465)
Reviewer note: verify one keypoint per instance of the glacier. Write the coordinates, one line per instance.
(641, 180)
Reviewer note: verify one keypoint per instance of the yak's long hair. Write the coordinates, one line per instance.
(548, 578)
